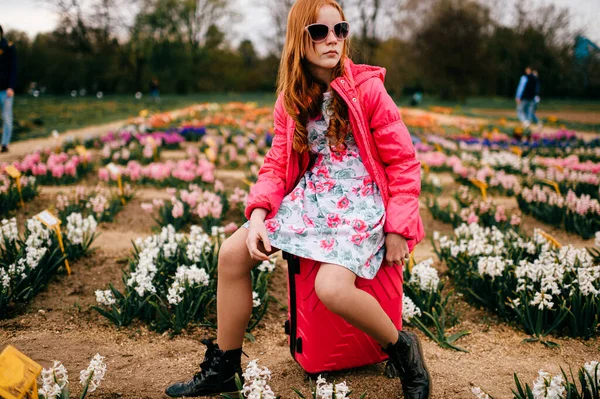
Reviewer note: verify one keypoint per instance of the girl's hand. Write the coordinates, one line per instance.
(258, 232)
(396, 249)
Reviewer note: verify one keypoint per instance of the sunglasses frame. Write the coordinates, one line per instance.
(330, 29)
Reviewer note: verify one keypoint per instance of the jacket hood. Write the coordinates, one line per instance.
(360, 73)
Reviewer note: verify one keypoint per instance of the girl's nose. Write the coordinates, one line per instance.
(331, 37)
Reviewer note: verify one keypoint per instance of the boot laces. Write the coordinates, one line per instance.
(211, 359)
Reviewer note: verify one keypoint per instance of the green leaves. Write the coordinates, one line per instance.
(441, 314)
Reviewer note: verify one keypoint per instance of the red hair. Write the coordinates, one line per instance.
(303, 95)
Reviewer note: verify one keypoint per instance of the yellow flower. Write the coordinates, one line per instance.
(211, 154)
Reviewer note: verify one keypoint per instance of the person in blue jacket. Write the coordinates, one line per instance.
(8, 82)
(525, 97)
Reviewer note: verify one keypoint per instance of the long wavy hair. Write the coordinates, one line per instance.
(302, 93)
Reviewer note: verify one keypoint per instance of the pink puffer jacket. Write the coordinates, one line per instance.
(384, 144)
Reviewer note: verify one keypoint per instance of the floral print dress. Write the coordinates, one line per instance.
(335, 214)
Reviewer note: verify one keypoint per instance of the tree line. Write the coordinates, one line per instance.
(453, 48)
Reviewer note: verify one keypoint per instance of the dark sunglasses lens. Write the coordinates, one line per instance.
(341, 30)
(318, 32)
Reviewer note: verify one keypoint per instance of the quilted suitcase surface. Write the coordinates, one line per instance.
(322, 341)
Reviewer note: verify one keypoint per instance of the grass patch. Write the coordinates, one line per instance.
(38, 117)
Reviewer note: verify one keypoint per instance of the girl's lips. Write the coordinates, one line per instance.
(333, 52)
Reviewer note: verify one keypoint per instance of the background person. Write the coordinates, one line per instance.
(525, 97)
(8, 82)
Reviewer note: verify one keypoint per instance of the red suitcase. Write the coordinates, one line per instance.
(321, 341)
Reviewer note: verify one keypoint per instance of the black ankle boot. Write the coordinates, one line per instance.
(216, 375)
(407, 356)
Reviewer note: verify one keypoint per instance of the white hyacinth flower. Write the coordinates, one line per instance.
(409, 309)
(193, 275)
(593, 369)
(10, 230)
(548, 387)
(425, 275)
(52, 391)
(79, 228)
(492, 266)
(105, 298)
(4, 280)
(94, 374)
(39, 235)
(479, 394)
(326, 390)
(542, 300)
(54, 379)
(199, 243)
(255, 382)
(255, 299)
(267, 265)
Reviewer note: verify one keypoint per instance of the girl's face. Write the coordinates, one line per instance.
(325, 55)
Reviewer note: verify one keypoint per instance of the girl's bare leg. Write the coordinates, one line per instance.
(234, 289)
(335, 287)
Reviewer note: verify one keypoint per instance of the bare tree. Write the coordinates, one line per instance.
(371, 21)
(206, 13)
(551, 21)
(278, 11)
(112, 18)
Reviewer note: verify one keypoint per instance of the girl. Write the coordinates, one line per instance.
(340, 185)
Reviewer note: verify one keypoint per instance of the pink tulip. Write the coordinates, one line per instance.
(58, 171)
(177, 211)
(231, 228)
(103, 174)
(473, 218)
(70, 169)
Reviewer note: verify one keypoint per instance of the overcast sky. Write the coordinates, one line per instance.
(32, 16)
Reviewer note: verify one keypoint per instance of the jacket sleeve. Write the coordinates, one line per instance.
(521, 87)
(403, 171)
(269, 190)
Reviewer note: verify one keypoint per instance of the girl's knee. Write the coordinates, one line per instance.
(231, 259)
(331, 294)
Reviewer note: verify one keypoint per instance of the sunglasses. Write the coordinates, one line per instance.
(319, 32)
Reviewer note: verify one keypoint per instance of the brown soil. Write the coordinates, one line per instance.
(59, 324)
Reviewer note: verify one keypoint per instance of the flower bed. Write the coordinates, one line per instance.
(167, 174)
(9, 192)
(55, 169)
(192, 205)
(579, 215)
(171, 282)
(28, 263)
(525, 279)
(102, 203)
